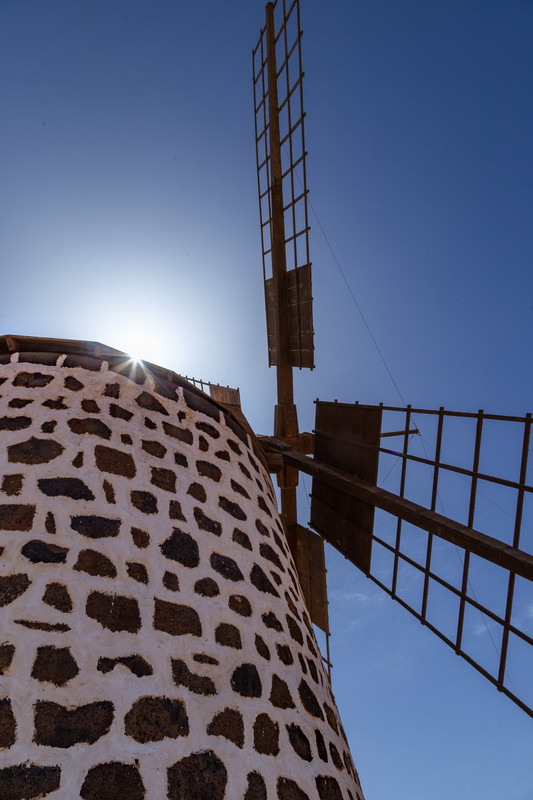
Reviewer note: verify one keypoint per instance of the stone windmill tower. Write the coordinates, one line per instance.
(155, 640)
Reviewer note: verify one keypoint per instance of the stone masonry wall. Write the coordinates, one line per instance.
(153, 641)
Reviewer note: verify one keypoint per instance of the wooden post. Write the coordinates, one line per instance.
(285, 418)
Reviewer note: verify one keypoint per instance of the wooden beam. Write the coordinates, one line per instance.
(487, 547)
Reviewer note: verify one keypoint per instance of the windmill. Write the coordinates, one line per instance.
(397, 542)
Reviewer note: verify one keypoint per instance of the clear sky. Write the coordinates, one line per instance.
(128, 215)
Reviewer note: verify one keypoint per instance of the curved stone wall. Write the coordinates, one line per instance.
(154, 640)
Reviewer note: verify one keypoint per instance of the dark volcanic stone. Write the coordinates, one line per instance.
(328, 788)
(144, 501)
(181, 547)
(112, 390)
(73, 383)
(113, 611)
(240, 604)
(239, 489)
(90, 406)
(109, 492)
(269, 553)
(176, 619)
(180, 460)
(321, 746)
(113, 780)
(171, 582)
(231, 508)
(289, 790)
(34, 451)
(294, 629)
(242, 538)
(164, 479)
(65, 487)
(198, 684)
(154, 448)
(117, 412)
(140, 538)
(271, 621)
(208, 470)
(200, 776)
(19, 402)
(246, 681)
(228, 635)
(243, 469)
(56, 405)
(280, 695)
(94, 563)
(60, 627)
(226, 567)
(94, 427)
(299, 742)
(201, 658)
(197, 491)
(229, 724)
(335, 757)
(57, 596)
(58, 726)
(261, 582)
(256, 789)
(209, 429)
(261, 647)
(175, 512)
(331, 718)
(28, 781)
(12, 484)
(137, 571)
(114, 461)
(182, 434)
(206, 524)
(207, 587)
(32, 380)
(7, 651)
(42, 553)
(263, 506)
(54, 665)
(12, 586)
(95, 527)
(309, 701)
(136, 664)
(266, 735)
(152, 719)
(8, 724)
(284, 654)
(150, 403)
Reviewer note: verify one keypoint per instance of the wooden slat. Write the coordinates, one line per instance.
(300, 315)
(311, 566)
(342, 435)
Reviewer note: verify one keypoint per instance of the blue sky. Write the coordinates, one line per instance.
(128, 215)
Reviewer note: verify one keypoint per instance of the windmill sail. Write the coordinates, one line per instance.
(282, 184)
(453, 543)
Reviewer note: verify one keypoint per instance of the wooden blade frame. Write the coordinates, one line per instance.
(282, 186)
(473, 590)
